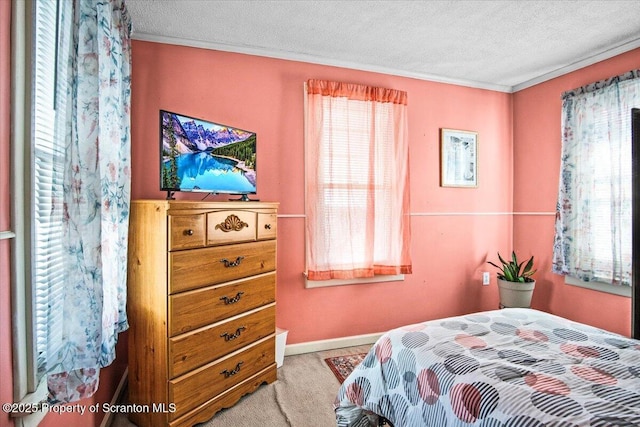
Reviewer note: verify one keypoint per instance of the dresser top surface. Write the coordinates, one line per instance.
(190, 204)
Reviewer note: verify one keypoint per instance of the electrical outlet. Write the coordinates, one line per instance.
(486, 278)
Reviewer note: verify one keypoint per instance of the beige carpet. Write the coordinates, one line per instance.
(302, 396)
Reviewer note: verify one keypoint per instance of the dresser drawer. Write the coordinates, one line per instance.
(230, 227)
(187, 231)
(193, 349)
(200, 267)
(267, 226)
(193, 309)
(194, 388)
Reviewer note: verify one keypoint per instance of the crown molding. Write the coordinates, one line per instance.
(609, 53)
(291, 56)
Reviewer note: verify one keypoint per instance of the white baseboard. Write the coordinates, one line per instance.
(106, 420)
(331, 344)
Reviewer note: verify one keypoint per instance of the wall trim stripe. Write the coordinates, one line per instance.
(450, 214)
(536, 213)
(478, 213)
(7, 235)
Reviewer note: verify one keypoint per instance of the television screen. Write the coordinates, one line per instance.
(198, 155)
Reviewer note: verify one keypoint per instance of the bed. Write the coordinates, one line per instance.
(508, 367)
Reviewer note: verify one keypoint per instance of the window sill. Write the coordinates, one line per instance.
(7, 235)
(38, 397)
(624, 291)
(309, 284)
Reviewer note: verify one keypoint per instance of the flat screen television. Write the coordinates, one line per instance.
(202, 156)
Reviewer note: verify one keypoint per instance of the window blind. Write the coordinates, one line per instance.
(611, 145)
(46, 182)
(345, 182)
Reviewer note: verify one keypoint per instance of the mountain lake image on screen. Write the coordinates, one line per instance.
(203, 156)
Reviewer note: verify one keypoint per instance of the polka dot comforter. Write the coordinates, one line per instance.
(509, 367)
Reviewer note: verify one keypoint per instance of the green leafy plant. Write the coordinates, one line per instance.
(512, 271)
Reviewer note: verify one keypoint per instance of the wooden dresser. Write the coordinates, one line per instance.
(201, 307)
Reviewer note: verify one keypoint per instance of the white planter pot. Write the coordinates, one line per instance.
(515, 294)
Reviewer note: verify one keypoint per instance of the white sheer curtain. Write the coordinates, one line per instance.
(357, 181)
(593, 223)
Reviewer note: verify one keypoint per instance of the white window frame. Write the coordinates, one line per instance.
(310, 284)
(624, 291)
(26, 387)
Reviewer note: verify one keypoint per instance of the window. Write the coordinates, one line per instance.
(593, 228)
(357, 182)
(39, 290)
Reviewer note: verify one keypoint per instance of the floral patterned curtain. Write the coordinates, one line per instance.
(593, 220)
(96, 148)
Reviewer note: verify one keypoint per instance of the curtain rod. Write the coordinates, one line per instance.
(601, 84)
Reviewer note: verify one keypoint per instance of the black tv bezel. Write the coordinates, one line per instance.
(171, 191)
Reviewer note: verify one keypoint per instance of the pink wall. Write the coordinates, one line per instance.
(266, 95)
(537, 144)
(449, 250)
(110, 376)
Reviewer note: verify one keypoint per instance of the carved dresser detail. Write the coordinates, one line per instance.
(201, 307)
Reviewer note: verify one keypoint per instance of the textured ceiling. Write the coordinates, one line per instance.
(501, 45)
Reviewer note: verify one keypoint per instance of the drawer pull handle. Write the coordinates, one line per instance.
(228, 373)
(267, 226)
(229, 337)
(232, 300)
(232, 223)
(188, 232)
(235, 263)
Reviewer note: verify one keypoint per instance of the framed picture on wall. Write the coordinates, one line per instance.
(458, 158)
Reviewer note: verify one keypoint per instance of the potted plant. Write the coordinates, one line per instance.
(514, 281)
